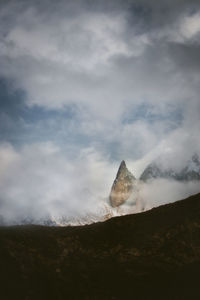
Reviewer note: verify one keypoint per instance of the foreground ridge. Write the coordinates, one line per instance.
(151, 255)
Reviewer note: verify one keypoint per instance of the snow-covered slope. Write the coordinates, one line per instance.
(102, 213)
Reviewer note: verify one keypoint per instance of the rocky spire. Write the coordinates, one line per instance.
(122, 186)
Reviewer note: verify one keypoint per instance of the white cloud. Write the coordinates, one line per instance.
(173, 151)
(160, 192)
(190, 25)
(40, 180)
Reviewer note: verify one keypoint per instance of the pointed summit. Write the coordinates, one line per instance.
(123, 164)
(122, 186)
(122, 168)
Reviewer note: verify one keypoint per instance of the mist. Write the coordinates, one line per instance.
(161, 191)
(39, 181)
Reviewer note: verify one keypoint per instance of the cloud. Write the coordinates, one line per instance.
(39, 180)
(161, 191)
(172, 152)
(94, 58)
(118, 77)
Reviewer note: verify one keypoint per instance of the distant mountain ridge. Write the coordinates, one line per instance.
(191, 171)
(127, 189)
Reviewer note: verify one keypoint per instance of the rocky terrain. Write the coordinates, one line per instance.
(122, 187)
(151, 255)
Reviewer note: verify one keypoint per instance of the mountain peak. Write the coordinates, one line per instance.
(122, 186)
(123, 164)
(122, 169)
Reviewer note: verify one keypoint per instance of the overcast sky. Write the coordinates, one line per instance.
(85, 84)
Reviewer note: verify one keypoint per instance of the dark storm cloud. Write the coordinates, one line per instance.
(155, 14)
(186, 57)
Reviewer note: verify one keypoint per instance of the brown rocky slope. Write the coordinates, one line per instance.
(151, 255)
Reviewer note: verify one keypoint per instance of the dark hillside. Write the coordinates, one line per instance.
(152, 255)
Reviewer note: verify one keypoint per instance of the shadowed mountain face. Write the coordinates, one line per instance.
(122, 186)
(151, 255)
